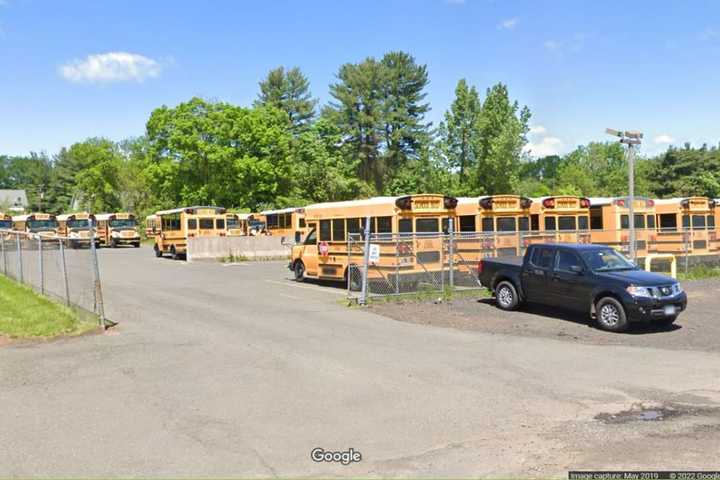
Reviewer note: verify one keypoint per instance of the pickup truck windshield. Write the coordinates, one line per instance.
(606, 260)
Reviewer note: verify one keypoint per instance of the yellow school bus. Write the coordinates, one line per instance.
(286, 222)
(151, 225)
(686, 225)
(179, 224)
(610, 223)
(410, 224)
(43, 224)
(238, 224)
(119, 228)
(76, 228)
(562, 218)
(498, 219)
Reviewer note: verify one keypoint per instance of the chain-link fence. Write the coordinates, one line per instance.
(60, 267)
(395, 264)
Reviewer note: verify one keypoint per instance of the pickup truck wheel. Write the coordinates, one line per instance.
(611, 315)
(506, 296)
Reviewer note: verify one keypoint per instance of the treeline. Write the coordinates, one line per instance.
(372, 138)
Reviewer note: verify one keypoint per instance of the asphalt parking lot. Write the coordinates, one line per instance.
(220, 370)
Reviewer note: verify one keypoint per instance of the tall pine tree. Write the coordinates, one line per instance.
(289, 91)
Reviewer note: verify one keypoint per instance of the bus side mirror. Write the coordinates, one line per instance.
(298, 237)
(577, 269)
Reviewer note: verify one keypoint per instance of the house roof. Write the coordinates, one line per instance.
(14, 198)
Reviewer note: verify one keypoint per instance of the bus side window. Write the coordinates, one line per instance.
(488, 224)
(650, 221)
(325, 235)
(220, 223)
(405, 225)
(192, 224)
(711, 222)
(338, 230)
(467, 223)
(550, 224)
(535, 222)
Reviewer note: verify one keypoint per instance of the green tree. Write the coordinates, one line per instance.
(502, 134)
(32, 173)
(685, 172)
(379, 107)
(289, 91)
(459, 131)
(202, 152)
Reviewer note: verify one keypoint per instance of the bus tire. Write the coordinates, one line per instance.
(113, 243)
(173, 253)
(355, 280)
(506, 296)
(136, 244)
(610, 315)
(299, 270)
(158, 252)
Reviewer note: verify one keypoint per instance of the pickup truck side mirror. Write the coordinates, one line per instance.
(576, 269)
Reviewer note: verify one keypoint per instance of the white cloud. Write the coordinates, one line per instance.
(546, 146)
(509, 24)
(541, 144)
(111, 67)
(664, 139)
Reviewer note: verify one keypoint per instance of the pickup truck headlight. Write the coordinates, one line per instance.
(677, 289)
(636, 291)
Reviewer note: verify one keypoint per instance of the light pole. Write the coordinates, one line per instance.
(629, 138)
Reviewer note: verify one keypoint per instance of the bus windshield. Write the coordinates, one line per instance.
(124, 223)
(233, 222)
(6, 224)
(36, 225)
(78, 224)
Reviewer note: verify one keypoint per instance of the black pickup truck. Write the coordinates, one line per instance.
(594, 279)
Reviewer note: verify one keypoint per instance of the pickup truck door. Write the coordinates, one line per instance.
(569, 281)
(535, 274)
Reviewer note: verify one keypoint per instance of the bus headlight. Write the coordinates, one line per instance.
(636, 291)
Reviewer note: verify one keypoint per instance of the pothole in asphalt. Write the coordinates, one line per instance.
(642, 413)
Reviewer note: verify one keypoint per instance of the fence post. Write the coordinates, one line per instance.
(41, 265)
(19, 260)
(99, 305)
(366, 262)
(686, 237)
(3, 254)
(397, 264)
(349, 265)
(451, 254)
(63, 267)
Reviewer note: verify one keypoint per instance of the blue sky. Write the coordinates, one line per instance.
(75, 69)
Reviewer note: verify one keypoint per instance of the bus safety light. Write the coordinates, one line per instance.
(650, 203)
(584, 203)
(620, 202)
(404, 203)
(486, 203)
(685, 203)
(480, 266)
(549, 203)
(525, 202)
(526, 242)
(450, 203)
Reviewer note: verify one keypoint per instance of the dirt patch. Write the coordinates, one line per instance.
(698, 328)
